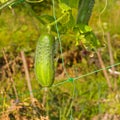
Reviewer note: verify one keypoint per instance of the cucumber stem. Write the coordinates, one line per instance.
(45, 92)
(45, 100)
(60, 18)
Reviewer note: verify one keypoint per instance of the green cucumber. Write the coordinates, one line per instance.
(44, 60)
(84, 11)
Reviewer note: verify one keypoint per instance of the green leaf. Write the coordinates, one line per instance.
(71, 21)
(92, 41)
(71, 3)
(88, 28)
(46, 18)
(64, 7)
(83, 28)
(85, 34)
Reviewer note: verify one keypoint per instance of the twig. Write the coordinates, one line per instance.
(34, 1)
(27, 76)
(11, 62)
(111, 60)
(6, 4)
(10, 74)
(110, 51)
(114, 73)
(104, 71)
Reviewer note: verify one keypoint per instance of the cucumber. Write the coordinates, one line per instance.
(84, 11)
(44, 60)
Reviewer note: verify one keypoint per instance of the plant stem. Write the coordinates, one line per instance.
(7, 4)
(60, 18)
(45, 101)
(27, 75)
(111, 60)
(45, 90)
(104, 71)
(34, 1)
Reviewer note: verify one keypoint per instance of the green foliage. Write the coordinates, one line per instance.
(17, 33)
(71, 3)
(85, 35)
(64, 7)
(66, 25)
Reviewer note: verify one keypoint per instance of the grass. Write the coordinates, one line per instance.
(90, 98)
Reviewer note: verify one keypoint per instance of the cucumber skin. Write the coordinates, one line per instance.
(44, 60)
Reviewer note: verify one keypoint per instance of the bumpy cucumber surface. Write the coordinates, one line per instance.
(44, 60)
